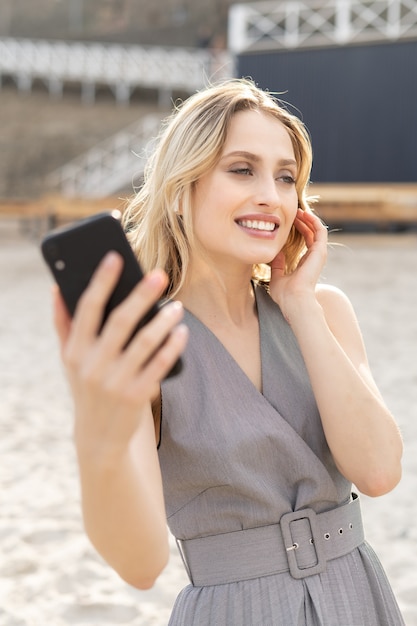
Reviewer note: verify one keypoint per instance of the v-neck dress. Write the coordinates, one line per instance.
(233, 458)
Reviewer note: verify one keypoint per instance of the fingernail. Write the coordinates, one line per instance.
(174, 307)
(110, 259)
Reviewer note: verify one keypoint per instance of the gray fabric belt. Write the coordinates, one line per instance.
(301, 543)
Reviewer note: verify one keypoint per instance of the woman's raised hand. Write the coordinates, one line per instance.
(287, 289)
(113, 384)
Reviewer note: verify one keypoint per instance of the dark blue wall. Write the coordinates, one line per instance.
(358, 102)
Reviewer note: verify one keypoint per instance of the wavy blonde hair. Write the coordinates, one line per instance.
(189, 145)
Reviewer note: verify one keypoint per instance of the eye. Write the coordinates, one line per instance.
(243, 171)
(287, 178)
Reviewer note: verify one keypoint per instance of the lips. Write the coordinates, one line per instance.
(261, 225)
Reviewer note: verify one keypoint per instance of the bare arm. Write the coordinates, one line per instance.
(362, 434)
(112, 387)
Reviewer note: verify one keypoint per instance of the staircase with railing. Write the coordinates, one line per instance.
(114, 164)
(120, 67)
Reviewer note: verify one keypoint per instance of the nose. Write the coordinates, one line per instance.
(267, 193)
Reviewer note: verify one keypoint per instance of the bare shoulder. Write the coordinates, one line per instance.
(333, 300)
(336, 305)
(342, 320)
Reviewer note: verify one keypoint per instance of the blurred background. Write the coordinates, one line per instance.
(84, 85)
(65, 65)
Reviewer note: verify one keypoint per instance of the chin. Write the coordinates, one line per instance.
(265, 260)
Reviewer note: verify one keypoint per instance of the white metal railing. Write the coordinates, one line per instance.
(298, 23)
(109, 166)
(121, 67)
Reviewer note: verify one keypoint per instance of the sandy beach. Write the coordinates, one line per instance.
(49, 573)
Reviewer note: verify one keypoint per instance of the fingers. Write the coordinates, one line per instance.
(106, 357)
(156, 342)
(123, 320)
(113, 364)
(311, 227)
(278, 263)
(89, 312)
(121, 323)
(154, 369)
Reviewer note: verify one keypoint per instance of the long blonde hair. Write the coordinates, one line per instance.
(189, 145)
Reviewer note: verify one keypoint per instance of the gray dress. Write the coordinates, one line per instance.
(233, 458)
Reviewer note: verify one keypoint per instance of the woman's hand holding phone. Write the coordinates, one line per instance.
(112, 383)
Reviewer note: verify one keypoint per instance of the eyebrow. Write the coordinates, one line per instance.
(255, 158)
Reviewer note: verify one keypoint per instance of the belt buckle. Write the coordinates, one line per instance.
(291, 545)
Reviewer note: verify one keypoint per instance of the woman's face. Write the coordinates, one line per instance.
(243, 208)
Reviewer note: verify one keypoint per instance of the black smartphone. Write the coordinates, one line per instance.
(73, 253)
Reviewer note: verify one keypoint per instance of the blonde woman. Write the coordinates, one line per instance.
(250, 453)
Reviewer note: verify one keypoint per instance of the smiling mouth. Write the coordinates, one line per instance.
(261, 225)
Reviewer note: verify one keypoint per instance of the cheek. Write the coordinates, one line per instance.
(204, 223)
(199, 208)
(209, 208)
(292, 208)
(291, 215)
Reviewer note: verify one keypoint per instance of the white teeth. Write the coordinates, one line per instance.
(257, 224)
